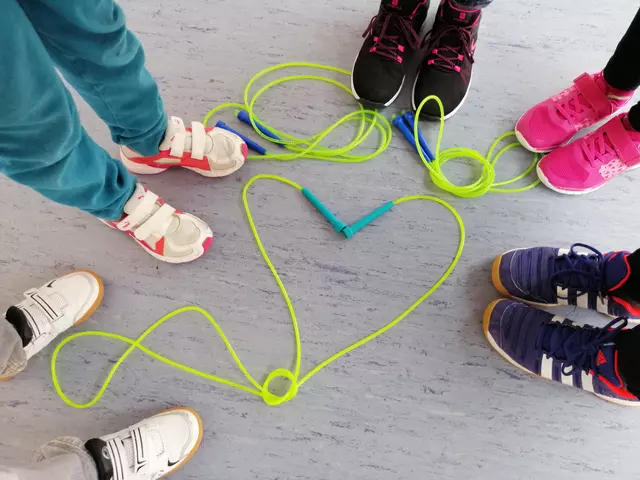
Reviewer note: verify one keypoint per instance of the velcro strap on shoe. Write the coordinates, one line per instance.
(594, 95)
(142, 211)
(198, 140)
(156, 223)
(47, 305)
(141, 446)
(119, 460)
(621, 141)
(179, 138)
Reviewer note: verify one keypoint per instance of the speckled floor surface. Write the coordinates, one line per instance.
(428, 400)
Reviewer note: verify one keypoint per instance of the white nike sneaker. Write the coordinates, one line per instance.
(148, 450)
(164, 232)
(212, 152)
(56, 306)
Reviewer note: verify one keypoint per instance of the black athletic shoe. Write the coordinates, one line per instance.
(446, 70)
(391, 38)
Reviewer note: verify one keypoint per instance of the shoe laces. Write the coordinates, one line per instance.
(572, 106)
(387, 21)
(450, 47)
(576, 346)
(585, 273)
(597, 148)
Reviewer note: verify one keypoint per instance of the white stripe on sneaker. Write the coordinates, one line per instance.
(587, 382)
(562, 296)
(566, 379)
(602, 305)
(546, 367)
(583, 301)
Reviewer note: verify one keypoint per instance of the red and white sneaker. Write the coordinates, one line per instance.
(212, 152)
(166, 233)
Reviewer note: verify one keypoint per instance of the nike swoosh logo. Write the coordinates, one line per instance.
(171, 464)
(51, 284)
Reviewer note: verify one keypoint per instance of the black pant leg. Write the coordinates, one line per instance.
(623, 69)
(628, 345)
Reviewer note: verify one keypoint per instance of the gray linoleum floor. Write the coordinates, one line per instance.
(428, 400)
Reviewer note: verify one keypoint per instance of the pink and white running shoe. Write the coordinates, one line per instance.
(164, 232)
(591, 161)
(553, 123)
(211, 152)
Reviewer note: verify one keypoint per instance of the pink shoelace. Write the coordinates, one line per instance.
(390, 46)
(572, 107)
(448, 56)
(597, 148)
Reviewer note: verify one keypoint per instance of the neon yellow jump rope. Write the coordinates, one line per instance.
(310, 148)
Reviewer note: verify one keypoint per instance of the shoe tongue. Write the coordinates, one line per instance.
(457, 16)
(606, 364)
(616, 268)
(403, 7)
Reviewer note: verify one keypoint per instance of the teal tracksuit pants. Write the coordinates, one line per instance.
(42, 143)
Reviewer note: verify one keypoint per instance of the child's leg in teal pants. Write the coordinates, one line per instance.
(42, 143)
(89, 42)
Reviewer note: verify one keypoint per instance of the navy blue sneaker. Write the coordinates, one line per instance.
(559, 349)
(549, 277)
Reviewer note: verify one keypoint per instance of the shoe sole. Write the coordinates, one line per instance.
(141, 169)
(450, 114)
(198, 441)
(368, 103)
(94, 306)
(549, 185)
(526, 145)
(486, 319)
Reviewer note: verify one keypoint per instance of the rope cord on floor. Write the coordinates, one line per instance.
(260, 390)
(310, 148)
(486, 181)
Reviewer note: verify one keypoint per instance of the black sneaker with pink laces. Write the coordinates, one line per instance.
(392, 38)
(446, 69)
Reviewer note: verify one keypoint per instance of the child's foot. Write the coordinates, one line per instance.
(212, 152)
(166, 233)
(148, 450)
(558, 349)
(553, 123)
(591, 161)
(392, 38)
(51, 309)
(550, 277)
(446, 70)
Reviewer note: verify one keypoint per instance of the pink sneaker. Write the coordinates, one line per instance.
(591, 161)
(554, 122)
